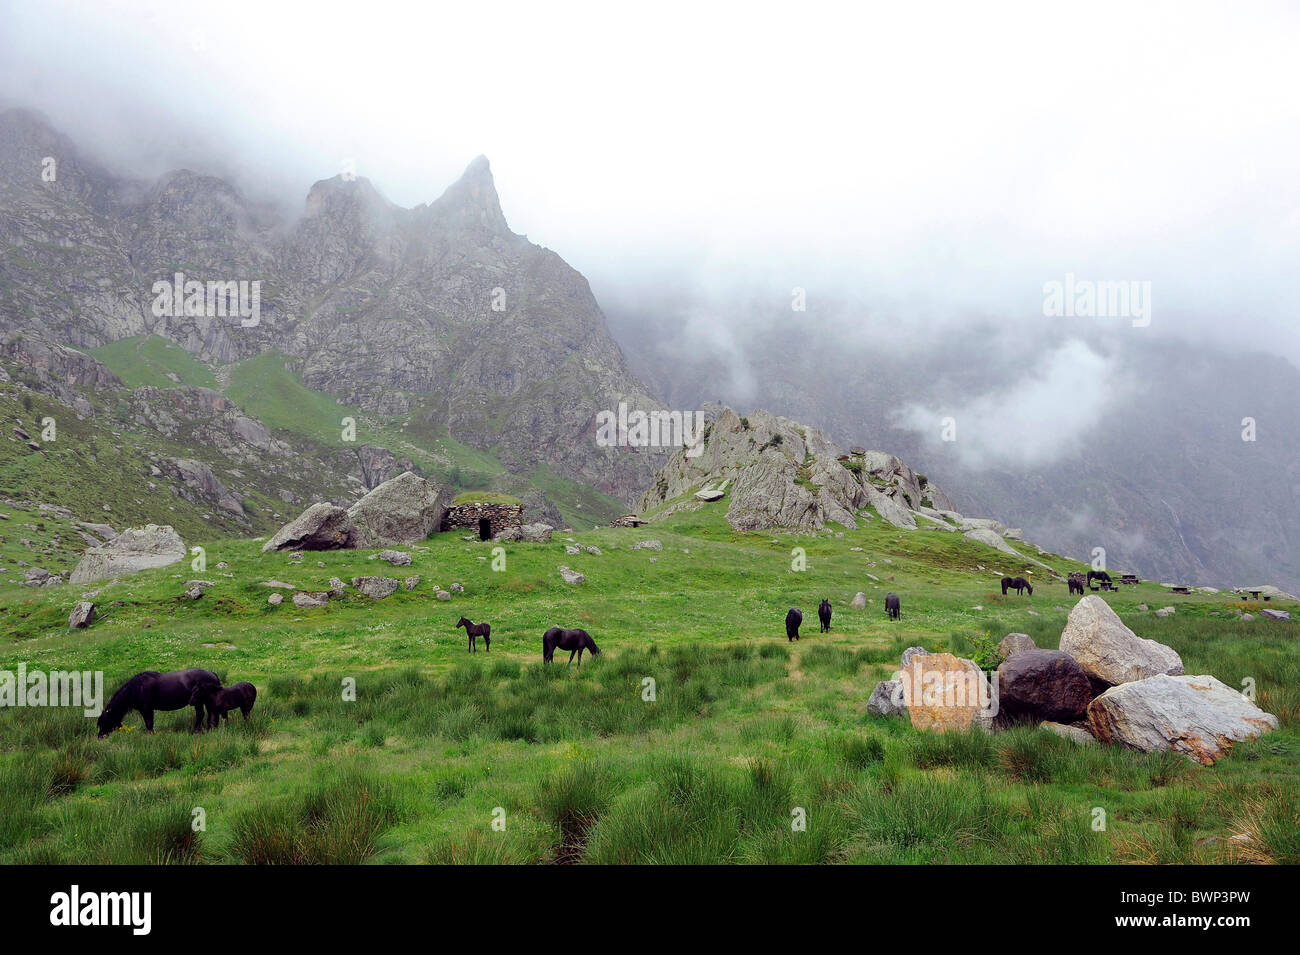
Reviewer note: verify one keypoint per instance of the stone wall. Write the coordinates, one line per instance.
(467, 516)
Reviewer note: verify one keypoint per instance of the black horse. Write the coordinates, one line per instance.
(893, 607)
(1098, 575)
(473, 629)
(575, 641)
(824, 615)
(1018, 584)
(1075, 581)
(220, 702)
(151, 691)
(792, 621)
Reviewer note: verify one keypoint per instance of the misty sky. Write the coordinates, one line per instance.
(936, 162)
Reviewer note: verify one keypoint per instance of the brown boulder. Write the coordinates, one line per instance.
(943, 692)
(1043, 685)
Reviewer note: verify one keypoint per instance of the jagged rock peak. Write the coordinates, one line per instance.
(472, 200)
(345, 194)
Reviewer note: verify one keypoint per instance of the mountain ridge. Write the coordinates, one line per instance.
(438, 312)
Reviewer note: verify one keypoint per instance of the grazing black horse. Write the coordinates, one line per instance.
(575, 641)
(1097, 575)
(1018, 584)
(1075, 580)
(220, 702)
(824, 615)
(893, 607)
(792, 621)
(151, 691)
(473, 629)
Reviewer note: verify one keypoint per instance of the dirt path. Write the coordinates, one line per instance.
(796, 674)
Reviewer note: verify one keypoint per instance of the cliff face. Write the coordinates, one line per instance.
(440, 312)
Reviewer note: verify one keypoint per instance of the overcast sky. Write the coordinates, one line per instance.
(937, 159)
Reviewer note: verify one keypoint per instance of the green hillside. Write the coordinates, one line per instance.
(266, 389)
(150, 360)
(745, 728)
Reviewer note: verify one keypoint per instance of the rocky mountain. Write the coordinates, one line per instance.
(1162, 480)
(437, 315)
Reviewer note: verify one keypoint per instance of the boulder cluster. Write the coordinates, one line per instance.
(1104, 684)
(405, 510)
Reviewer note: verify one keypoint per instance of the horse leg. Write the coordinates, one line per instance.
(487, 643)
(148, 720)
(198, 718)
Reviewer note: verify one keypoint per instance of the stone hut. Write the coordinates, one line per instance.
(628, 520)
(485, 520)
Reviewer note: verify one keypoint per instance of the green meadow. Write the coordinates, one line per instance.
(699, 735)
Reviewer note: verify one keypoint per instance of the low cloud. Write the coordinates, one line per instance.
(1032, 422)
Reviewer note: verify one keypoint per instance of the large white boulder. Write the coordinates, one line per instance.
(1108, 651)
(405, 510)
(1195, 715)
(990, 538)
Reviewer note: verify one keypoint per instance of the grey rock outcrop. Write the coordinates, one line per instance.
(200, 479)
(136, 548)
(530, 533)
(778, 473)
(82, 616)
(377, 588)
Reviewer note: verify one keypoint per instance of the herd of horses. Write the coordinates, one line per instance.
(151, 692)
(575, 641)
(1077, 580)
(794, 616)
